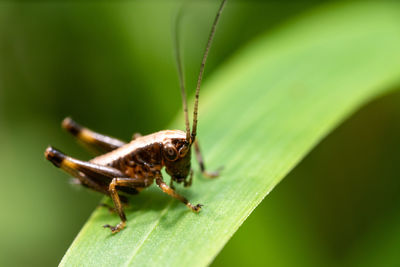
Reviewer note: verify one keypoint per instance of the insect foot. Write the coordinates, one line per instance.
(115, 229)
(196, 208)
(212, 174)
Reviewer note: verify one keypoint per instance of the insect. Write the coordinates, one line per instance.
(128, 168)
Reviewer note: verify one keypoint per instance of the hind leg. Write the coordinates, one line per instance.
(62, 161)
(99, 178)
(91, 138)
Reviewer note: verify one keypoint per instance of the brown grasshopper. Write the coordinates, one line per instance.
(130, 167)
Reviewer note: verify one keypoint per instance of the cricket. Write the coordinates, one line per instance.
(128, 168)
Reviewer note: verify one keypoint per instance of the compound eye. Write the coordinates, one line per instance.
(170, 152)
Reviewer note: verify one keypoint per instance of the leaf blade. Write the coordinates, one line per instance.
(284, 93)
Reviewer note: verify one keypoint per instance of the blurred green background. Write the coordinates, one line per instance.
(111, 67)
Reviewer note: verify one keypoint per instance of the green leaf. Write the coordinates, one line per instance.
(260, 114)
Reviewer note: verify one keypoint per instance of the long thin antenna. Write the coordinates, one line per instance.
(203, 63)
(180, 71)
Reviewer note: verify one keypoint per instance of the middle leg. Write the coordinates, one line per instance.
(128, 182)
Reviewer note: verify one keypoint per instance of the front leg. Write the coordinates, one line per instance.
(168, 190)
(189, 182)
(199, 157)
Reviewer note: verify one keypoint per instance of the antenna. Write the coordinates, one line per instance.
(203, 63)
(180, 71)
